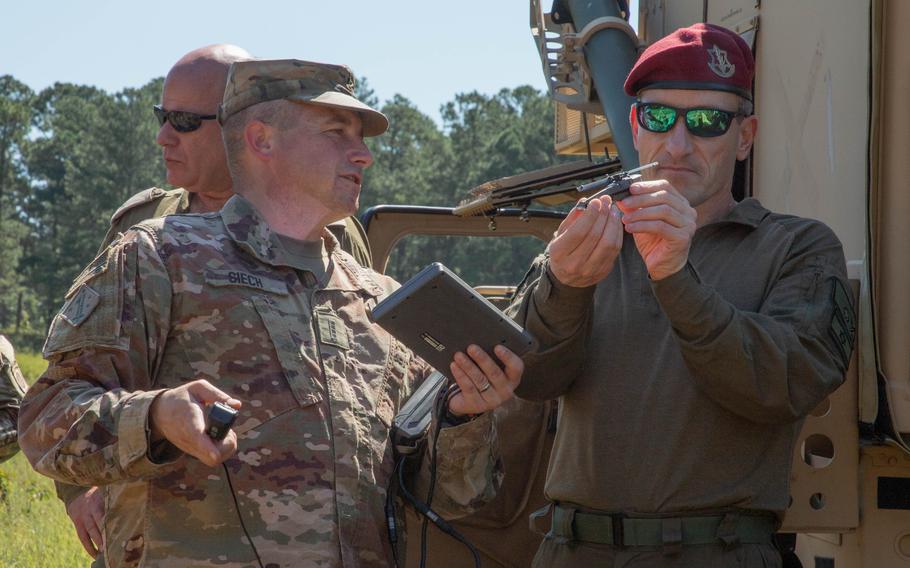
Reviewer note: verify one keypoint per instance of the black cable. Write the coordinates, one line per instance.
(440, 523)
(423, 508)
(390, 513)
(240, 515)
(440, 406)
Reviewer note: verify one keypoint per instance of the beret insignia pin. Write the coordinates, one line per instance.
(719, 64)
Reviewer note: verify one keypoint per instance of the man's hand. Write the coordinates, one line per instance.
(87, 513)
(662, 223)
(484, 385)
(586, 244)
(178, 415)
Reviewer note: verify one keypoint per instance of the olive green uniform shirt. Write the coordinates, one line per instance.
(687, 394)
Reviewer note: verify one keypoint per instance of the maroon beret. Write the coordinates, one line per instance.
(703, 56)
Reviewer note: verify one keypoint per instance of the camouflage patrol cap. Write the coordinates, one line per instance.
(257, 81)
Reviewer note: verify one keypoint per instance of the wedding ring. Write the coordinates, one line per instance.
(485, 387)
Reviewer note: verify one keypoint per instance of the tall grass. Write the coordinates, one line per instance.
(34, 529)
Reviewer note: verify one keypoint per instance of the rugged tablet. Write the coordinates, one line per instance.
(436, 313)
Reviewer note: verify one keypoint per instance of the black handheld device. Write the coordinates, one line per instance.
(409, 427)
(220, 419)
(616, 185)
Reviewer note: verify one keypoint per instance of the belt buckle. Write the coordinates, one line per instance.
(671, 533)
(617, 526)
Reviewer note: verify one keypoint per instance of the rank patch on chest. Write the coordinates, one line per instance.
(80, 306)
(332, 330)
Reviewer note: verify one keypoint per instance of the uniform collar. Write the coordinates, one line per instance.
(747, 212)
(252, 233)
(183, 206)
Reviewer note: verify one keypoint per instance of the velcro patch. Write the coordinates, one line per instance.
(332, 330)
(843, 320)
(15, 374)
(80, 306)
(98, 266)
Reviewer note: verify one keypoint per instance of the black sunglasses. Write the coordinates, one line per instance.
(704, 122)
(181, 120)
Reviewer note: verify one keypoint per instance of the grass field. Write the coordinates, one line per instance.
(34, 529)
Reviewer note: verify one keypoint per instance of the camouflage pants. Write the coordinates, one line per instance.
(553, 554)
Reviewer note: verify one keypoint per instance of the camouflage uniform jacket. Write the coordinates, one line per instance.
(12, 389)
(211, 297)
(155, 202)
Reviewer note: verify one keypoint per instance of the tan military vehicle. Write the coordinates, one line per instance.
(832, 89)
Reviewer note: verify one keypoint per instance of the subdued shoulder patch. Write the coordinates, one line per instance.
(140, 198)
(80, 305)
(843, 320)
(18, 379)
(94, 306)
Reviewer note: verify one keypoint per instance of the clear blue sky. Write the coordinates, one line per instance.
(426, 50)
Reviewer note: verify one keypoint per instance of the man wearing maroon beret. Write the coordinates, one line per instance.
(686, 335)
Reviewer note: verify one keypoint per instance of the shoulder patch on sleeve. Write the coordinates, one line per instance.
(140, 198)
(80, 306)
(843, 320)
(91, 314)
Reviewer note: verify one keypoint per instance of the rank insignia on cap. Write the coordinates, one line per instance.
(719, 63)
(80, 306)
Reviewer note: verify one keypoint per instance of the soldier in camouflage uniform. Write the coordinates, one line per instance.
(255, 306)
(196, 163)
(12, 389)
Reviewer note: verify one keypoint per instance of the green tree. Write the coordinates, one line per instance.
(92, 151)
(496, 136)
(411, 160)
(483, 138)
(412, 165)
(15, 119)
(505, 134)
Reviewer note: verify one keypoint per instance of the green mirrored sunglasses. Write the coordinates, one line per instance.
(704, 122)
